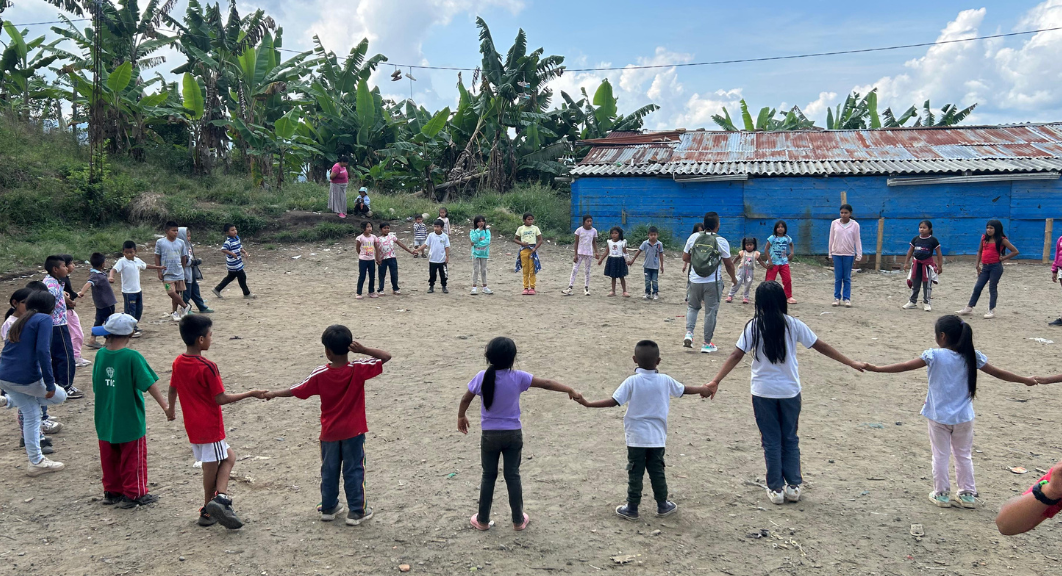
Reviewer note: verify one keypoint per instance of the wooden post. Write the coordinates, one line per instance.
(881, 236)
(844, 197)
(1049, 225)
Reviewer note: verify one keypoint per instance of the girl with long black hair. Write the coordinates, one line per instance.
(500, 387)
(772, 336)
(995, 249)
(952, 369)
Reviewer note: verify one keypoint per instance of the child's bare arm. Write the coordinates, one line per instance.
(831, 352)
(1007, 375)
(710, 388)
(110, 276)
(171, 414)
(85, 288)
(283, 393)
(157, 395)
(402, 246)
(636, 254)
(462, 420)
(547, 384)
(226, 398)
(359, 348)
(1049, 379)
(607, 403)
(154, 267)
(896, 368)
(689, 390)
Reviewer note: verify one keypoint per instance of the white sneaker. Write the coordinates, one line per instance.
(990, 314)
(50, 427)
(645, 297)
(44, 467)
(487, 291)
(776, 497)
(586, 291)
(965, 311)
(82, 362)
(909, 305)
(474, 291)
(847, 303)
(567, 291)
(3, 401)
(176, 316)
(688, 340)
(251, 296)
(836, 303)
(792, 493)
(656, 296)
(927, 308)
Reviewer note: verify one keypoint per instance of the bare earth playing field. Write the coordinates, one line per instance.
(866, 459)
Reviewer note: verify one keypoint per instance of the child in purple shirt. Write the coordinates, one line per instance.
(500, 387)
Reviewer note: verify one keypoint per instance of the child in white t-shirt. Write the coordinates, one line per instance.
(129, 266)
(772, 336)
(647, 395)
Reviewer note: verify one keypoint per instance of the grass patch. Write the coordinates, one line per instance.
(27, 251)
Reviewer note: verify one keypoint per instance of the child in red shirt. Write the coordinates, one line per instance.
(341, 386)
(196, 381)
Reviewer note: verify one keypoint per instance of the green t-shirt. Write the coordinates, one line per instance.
(119, 380)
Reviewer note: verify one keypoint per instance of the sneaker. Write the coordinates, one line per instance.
(847, 303)
(656, 296)
(965, 311)
(138, 332)
(217, 294)
(523, 525)
(792, 493)
(531, 292)
(646, 296)
(474, 291)
(45, 466)
(3, 401)
(1056, 322)
(744, 300)
(251, 296)
(82, 362)
(175, 316)
(626, 512)
(729, 299)
(205, 519)
(126, 502)
(967, 500)
(353, 518)
(525, 292)
(909, 305)
(487, 291)
(776, 497)
(688, 340)
(942, 499)
(221, 508)
(586, 291)
(396, 292)
(111, 498)
(666, 508)
(788, 300)
(708, 348)
(567, 291)
(373, 295)
(431, 289)
(330, 515)
(990, 314)
(836, 303)
(927, 307)
(50, 427)
(358, 297)
(46, 445)
(74, 394)
(474, 520)
(207, 310)
(445, 291)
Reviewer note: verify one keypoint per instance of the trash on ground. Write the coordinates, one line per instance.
(917, 530)
(877, 425)
(1017, 470)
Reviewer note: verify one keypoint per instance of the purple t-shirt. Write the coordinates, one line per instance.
(504, 413)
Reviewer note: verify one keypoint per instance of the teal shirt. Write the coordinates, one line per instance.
(480, 243)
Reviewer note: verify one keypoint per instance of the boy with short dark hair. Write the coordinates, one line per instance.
(102, 294)
(129, 266)
(119, 379)
(171, 254)
(438, 247)
(341, 386)
(653, 266)
(234, 255)
(196, 381)
(62, 346)
(648, 396)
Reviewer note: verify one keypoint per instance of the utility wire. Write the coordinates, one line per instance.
(52, 22)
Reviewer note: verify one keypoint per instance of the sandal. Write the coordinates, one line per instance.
(611, 294)
(520, 527)
(474, 520)
(626, 295)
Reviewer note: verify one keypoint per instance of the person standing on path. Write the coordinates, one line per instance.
(846, 248)
(192, 294)
(995, 249)
(337, 190)
(701, 250)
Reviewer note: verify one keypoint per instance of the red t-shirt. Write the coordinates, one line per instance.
(198, 381)
(989, 252)
(1051, 510)
(342, 392)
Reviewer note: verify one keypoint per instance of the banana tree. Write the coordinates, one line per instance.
(18, 69)
(950, 115)
(421, 149)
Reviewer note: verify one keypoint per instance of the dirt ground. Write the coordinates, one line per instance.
(865, 451)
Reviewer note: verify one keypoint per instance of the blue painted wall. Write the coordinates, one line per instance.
(808, 205)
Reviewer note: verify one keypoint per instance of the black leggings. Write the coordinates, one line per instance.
(497, 445)
(237, 275)
(367, 267)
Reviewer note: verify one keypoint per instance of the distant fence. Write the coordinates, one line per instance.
(888, 215)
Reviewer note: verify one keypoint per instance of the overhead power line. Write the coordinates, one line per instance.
(51, 22)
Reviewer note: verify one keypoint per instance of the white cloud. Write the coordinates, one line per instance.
(818, 106)
(698, 110)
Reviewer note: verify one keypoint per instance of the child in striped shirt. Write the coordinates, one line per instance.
(420, 234)
(234, 253)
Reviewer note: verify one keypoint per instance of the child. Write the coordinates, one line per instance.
(772, 336)
(192, 276)
(500, 387)
(119, 380)
(196, 381)
(479, 236)
(102, 294)
(234, 255)
(746, 265)
(365, 244)
(780, 250)
(386, 258)
(18, 303)
(653, 266)
(617, 260)
(338, 179)
(438, 247)
(171, 253)
(361, 203)
(585, 250)
(129, 266)
(845, 249)
(444, 215)
(648, 397)
(341, 386)
(923, 274)
(529, 237)
(952, 369)
(995, 249)
(697, 229)
(1055, 266)
(73, 321)
(62, 346)
(420, 234)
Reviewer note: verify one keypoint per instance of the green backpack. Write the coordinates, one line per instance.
(704, 254)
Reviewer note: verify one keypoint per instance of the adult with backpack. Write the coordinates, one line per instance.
(706, 252)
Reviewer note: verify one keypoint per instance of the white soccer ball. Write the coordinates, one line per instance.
(425, 215)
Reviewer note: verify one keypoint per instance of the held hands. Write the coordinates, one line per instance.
(709, 390)
(573, 395)
(1030, 381)
(260, 394)
(860, 366)
(171, 414)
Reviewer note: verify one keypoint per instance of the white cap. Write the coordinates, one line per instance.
(363, 189)
(116, 325)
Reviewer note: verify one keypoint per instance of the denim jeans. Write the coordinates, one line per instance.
(842, 277)
(134, 304)
(652, 281)
(777, 419)
(191, 294)
(388, 264)
(62, 357)
(640, 460)
(990, 274)
(707, 295)
(367, 267)
(346, 456)
(30, 400)
(496, 445)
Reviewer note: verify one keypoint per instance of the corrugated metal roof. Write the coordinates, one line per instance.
(984, 149)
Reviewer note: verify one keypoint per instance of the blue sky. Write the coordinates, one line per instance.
(1012, 80)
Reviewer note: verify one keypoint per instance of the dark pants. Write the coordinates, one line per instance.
(191, 294)
(777, 419)
(367, 267)
(495, 445)
(62, 357)
(440, 269)
(102, 314)
(360, 208)
(652, 281)
(134, 304)
(237, 275)
(346, 456)
(385, 265)
(990, 274)
(640, 460)
(920, 283)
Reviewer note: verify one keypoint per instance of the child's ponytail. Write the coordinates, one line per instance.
(959, 337)
(500, 354)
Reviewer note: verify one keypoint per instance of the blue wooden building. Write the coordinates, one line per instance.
(958, 177)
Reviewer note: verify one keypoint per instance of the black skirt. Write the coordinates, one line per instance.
(616, 267)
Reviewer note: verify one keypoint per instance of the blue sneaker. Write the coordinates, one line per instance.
(708, 348)
(627, 512)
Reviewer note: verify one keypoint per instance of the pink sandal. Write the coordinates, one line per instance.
(479, 526)
(520, 527)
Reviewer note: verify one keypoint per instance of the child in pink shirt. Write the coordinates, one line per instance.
(1055, 266)
(846, 249)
